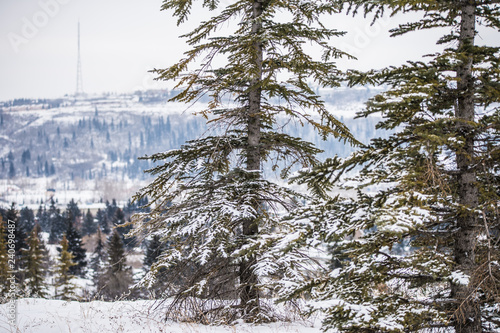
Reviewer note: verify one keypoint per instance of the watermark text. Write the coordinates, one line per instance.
(11, 280)
(31, 26)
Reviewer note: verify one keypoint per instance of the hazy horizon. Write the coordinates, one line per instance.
(121, 40)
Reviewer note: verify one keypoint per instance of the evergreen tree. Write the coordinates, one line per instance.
(117, 278)
(222, 208)
(75, 247)
(43, 219)
(12, 170)
(65, 288)
(155, 247)
(73, 211)
(57, 222)
(89, 226)
(432, 185)
(34, 266)
(128, 210)
(118, 218)
(27, 219)
(123, 227)
(111, 209)
(47, 263)
(98, 260)
(25, 156)
(102, 220)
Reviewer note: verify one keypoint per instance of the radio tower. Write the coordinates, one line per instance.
(79, 81)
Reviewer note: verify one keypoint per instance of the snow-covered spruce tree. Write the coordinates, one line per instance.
(123, 227)
(43, 218)
(98, 260)
(27, 219)
(222, 208)
(76, 248)
(64, 287)
(47, 263)
(117, 276)
(89, 226)
(103, 221)
(73, 211)
(433, 185)
(154, 248)
(34, 266)
(57, 223)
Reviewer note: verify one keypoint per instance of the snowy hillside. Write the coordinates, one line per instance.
(88, 149)
(50, 316)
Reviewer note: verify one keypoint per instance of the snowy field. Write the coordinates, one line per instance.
(52, 316)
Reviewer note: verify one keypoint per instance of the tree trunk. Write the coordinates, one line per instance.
(468, 313)
(249, 296)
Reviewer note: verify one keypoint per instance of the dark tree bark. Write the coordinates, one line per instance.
(468, 314)
(249, 296)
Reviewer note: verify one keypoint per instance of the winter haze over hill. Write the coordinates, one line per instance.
(88, 148)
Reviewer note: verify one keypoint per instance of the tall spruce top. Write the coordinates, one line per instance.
(285, 70)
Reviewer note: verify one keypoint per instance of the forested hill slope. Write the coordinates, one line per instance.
(101, 137)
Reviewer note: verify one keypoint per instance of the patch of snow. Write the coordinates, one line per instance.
(460, 278)
(53, 316)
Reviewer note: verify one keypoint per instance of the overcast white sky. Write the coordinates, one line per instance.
(122, 39)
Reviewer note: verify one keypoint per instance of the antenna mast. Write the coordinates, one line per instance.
(79, 81)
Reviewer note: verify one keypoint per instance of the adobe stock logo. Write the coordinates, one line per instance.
(31, 26)
(362, 37)
(150, 83)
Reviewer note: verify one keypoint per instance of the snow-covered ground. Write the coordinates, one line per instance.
(30, 192)
(53, 316)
